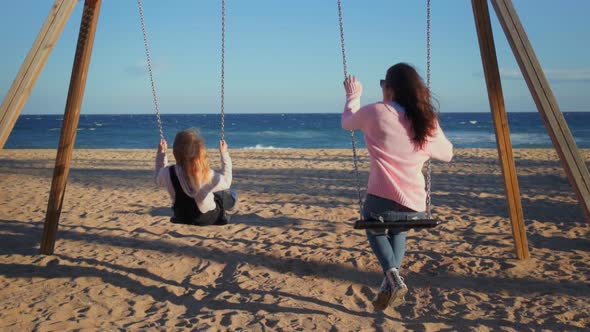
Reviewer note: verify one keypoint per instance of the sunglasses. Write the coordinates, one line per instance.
(382, 83)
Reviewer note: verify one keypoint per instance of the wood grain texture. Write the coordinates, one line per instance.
(70, 123)
(496, 98)
(32, 66)
(547, 105)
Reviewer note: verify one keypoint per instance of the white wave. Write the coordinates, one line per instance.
(269, 133)
(54, 129)
(473, 122)
(486, 139)
(291, 134)
(530, 139)
(261, 147)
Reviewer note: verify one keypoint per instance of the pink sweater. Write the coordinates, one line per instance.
(396, 166)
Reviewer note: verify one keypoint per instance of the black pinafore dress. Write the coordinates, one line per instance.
(186, 210)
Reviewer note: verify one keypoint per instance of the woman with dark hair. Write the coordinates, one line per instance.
(401, 133)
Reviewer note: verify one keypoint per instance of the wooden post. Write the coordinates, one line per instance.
(70, 123)
(492, 73)
(31, 68)
(562, 138)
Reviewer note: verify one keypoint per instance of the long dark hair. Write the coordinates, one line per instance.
(412, 94)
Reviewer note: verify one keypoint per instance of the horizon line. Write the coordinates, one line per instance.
(248, 113)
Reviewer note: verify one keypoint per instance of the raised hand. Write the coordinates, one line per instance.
(353, 87)
(163, 146)
(222, 146)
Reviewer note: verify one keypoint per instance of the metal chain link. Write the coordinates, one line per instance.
(354, 153)
(150, 71)
(356, 173)
(428, 163)
(222, 69)
(342, 44)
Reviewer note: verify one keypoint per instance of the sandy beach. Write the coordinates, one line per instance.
(290, 260)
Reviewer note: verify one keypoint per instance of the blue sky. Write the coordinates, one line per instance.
(284, 56)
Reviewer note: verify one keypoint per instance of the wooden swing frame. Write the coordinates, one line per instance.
(562, 139)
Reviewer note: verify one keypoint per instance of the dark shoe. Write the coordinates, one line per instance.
(234, 195)
(223, 219)
(383, 297)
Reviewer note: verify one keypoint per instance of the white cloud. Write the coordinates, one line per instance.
(511, 74)
(140, 67)
(555, 75)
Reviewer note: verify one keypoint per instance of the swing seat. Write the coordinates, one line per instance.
(406, 224)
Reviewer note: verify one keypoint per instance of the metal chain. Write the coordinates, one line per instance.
(356, 173)
(150, 71)
(340, 20)
(354, 153)
(428, 163)
(222, 69)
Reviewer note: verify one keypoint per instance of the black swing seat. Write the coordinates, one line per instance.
(377, 222)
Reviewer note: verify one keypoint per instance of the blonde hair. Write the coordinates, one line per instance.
(191, 154)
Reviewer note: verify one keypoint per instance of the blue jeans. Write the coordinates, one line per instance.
(388, 245)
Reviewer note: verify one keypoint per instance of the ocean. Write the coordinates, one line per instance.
(268, 131)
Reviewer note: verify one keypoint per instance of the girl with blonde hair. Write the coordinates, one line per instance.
(200, 196)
